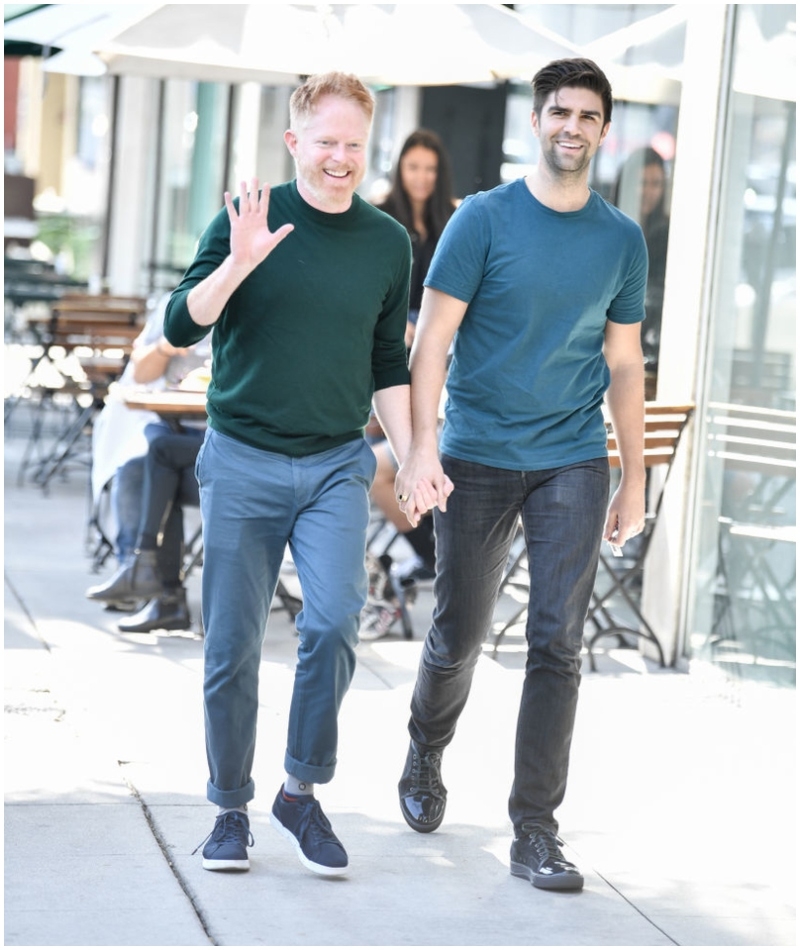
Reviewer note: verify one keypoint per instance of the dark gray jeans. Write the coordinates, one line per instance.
(563, 512)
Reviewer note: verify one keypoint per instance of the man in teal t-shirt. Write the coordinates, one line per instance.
(306, 286)
(539, 285)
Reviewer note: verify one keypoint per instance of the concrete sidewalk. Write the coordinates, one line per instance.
(680, 809)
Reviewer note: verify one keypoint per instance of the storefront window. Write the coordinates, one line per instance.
(190, 184)
(743, 617)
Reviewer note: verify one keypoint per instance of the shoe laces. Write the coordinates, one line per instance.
(547, 846)
(230, 826)
(425, 772)
(314, 824)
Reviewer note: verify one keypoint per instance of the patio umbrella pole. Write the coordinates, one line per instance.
(157, 172)
(112, 166)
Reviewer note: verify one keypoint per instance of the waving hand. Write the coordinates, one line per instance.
(251, 242)
(251, 239)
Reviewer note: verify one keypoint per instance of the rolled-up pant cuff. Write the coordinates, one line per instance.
(318, 774)
(231, 799)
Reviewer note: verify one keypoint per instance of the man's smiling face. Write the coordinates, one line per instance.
(570, 128)
(330, 153)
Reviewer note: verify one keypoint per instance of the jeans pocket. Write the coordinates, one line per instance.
(198, 464)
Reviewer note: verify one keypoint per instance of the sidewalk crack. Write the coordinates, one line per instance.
(24, 608)
(637, 909)
(164, 848)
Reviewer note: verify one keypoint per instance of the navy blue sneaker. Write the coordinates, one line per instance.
(300, 819)
(226, 847)
(537, 857)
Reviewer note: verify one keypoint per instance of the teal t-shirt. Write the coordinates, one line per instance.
(527, 378)
(308, 337)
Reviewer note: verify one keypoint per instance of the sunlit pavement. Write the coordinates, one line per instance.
(680, 809)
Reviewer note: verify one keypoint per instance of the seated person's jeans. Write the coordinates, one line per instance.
(147, 487)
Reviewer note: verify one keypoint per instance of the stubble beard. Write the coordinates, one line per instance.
(560, 165)
(315, 183)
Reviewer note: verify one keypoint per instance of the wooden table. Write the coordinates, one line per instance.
(169, 402)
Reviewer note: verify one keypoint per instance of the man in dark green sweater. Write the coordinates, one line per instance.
(306, 286)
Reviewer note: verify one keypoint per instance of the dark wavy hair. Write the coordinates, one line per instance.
(582, 73)
(439, 206)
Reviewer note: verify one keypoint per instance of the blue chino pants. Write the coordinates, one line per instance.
(563, 511)
(253, 503)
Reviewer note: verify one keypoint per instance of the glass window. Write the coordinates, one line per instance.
(192, 161)
(745, 559)
(92, 120)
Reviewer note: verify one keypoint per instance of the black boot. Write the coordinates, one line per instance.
(137, 579)
(169, 611)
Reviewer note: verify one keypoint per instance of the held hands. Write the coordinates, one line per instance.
(251, 239)
(420, 486)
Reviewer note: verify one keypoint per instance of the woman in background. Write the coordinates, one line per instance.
(641, 192)
(421, 199)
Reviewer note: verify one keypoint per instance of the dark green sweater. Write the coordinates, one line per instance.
(310, 335)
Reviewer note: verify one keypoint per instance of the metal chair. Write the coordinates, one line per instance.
(664, 426)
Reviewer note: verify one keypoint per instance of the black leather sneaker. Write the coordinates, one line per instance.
(422, 795)
(537, 856)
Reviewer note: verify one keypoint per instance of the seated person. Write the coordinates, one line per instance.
(118, 432)
(392, 587)
(152, 572)
(422, 566)
(119, 444)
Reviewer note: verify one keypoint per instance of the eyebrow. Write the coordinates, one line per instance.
(557, 108)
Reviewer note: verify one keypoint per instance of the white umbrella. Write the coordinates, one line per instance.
(386, 44)
(66, 33)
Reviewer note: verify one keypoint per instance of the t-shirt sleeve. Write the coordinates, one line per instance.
(628, 304)
(459, 261)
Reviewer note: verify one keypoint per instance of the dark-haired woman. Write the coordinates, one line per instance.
(421, 199)
(641, 192)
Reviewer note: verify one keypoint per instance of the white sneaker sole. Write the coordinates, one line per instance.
(210, 864)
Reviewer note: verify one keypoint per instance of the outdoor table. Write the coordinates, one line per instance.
(169, 402)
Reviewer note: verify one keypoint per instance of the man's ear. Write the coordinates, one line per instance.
(290, 139)
(535, 123)
(604, 133)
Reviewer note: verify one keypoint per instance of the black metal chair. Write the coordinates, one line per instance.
(664, 426)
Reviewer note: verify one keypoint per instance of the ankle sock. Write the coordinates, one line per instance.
(224, 811)
(294, 786)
